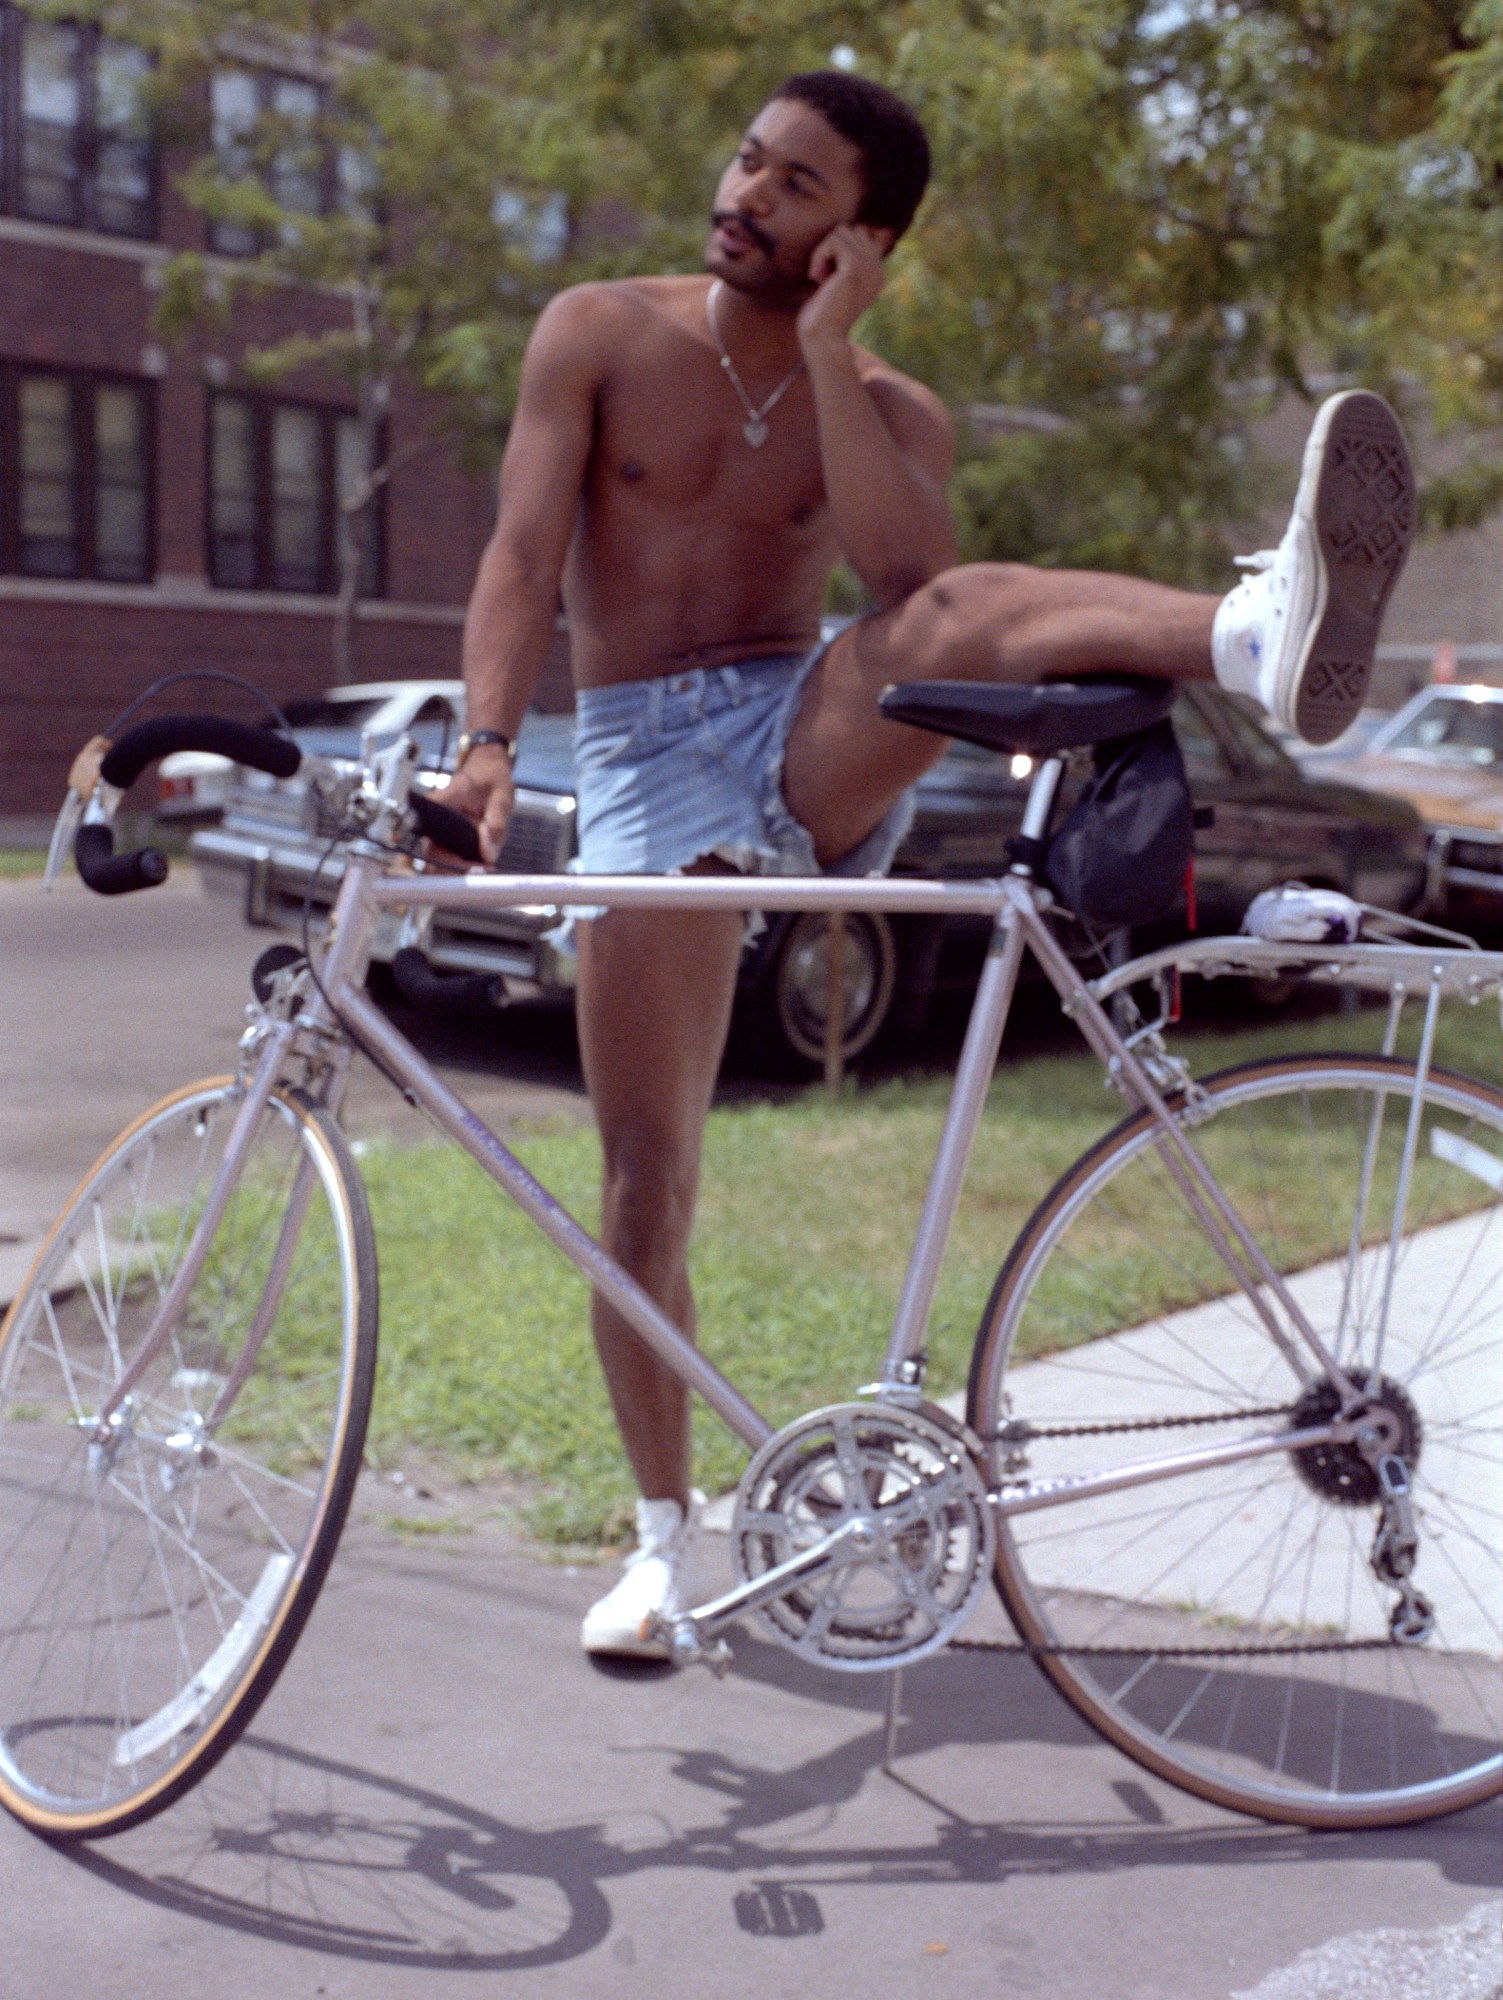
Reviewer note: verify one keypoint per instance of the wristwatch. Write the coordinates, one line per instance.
(472, 739)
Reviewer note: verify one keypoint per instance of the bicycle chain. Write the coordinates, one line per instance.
(1168, 1652)
(1027, 1433)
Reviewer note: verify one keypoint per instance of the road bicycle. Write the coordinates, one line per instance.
(1229, 1450)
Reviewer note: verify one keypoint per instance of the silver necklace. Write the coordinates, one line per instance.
(754, 430)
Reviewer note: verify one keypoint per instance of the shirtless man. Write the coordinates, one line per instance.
(690, 458)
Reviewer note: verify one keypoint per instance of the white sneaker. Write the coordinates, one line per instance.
(1299, 635)
(650, 1587)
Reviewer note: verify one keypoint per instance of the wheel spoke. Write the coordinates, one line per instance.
(138, 1573)
(1106, 1319)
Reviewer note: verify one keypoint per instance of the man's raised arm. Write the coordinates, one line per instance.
(509, 623)
(886, 446)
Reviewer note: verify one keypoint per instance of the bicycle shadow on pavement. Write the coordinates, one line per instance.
(307, 1850)
(963, 1696)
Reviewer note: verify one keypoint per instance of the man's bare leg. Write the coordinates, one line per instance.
(846, 763)
(1298, 635)
(653, 1006)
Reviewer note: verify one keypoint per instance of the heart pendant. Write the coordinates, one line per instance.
(754, 431)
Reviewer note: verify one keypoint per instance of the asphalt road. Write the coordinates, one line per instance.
(443, 1797)
(108, 1002)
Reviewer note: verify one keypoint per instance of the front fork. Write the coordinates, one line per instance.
(272, 1042)
(178, 1292)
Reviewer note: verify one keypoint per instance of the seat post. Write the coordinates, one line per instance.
(1041, 795)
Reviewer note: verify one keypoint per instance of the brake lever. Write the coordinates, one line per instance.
(69, 815)
(83, 785)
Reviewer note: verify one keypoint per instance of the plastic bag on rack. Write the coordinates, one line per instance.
(1294, 914)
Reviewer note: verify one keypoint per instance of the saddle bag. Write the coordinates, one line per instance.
(1119, 856)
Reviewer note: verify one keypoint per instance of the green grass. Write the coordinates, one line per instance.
(807, 1212)
(16, 862)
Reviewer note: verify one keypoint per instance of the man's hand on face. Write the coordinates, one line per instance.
(485, 792)
(847, 269)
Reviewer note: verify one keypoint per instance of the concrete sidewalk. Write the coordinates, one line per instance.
(443, 1796)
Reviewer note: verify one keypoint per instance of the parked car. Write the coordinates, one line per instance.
(1442, 752)
(1271, 822)
(192, 787)
(195, 785)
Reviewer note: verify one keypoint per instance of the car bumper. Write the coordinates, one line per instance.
(1468, 861)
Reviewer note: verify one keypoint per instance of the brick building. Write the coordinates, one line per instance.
(155, 514)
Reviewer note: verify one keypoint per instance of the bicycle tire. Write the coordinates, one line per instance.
(1310, 1715)
(152, 1586)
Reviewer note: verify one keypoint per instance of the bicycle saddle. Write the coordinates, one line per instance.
(1033, 721)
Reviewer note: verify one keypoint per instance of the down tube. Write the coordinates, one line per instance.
(646, 1318)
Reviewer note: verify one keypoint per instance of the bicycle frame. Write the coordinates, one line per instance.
(1016, 906)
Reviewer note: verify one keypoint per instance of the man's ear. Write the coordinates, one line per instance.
(882, 238)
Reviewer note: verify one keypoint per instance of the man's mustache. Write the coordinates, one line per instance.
(747, 227)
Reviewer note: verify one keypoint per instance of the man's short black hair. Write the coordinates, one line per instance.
(894, 146)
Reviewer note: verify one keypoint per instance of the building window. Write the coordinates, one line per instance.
(75, 140)
(275, 470)
(75, 476)
(266, 127)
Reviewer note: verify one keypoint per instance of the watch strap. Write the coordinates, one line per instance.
(473, 739)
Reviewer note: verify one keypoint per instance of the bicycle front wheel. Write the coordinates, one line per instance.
(155, 1570)
(1228, 1627)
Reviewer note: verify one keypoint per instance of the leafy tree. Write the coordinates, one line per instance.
(1422, 222)
(1149, 217)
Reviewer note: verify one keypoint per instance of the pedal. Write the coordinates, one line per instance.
(685, 1644)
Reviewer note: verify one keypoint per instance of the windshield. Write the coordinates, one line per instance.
(1460, 731)
(319, 712)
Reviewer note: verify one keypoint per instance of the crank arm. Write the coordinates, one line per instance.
(686, 1635)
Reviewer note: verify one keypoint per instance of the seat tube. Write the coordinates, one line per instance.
(978, 1059)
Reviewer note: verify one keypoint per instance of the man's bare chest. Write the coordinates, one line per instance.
(671, 440)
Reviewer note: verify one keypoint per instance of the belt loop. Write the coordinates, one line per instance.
(735, 684)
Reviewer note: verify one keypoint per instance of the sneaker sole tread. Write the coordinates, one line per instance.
(1363, 517)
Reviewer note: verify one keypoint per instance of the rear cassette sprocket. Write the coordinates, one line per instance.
(911, 1476)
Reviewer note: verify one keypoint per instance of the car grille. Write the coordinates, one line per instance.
(327, 824)
(536, 841)
(283, 809)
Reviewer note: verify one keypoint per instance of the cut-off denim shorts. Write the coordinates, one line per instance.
(689, 766)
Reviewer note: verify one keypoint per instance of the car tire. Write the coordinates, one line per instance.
(781, 1019)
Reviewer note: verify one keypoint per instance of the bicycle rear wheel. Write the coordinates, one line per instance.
(153, 1582)
(1227, 1627)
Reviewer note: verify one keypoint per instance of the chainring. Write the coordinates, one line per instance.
(912, 1476)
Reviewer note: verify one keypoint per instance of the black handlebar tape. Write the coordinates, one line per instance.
(445, 827)
(421, 986)
(111, 874)
(263, 749)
